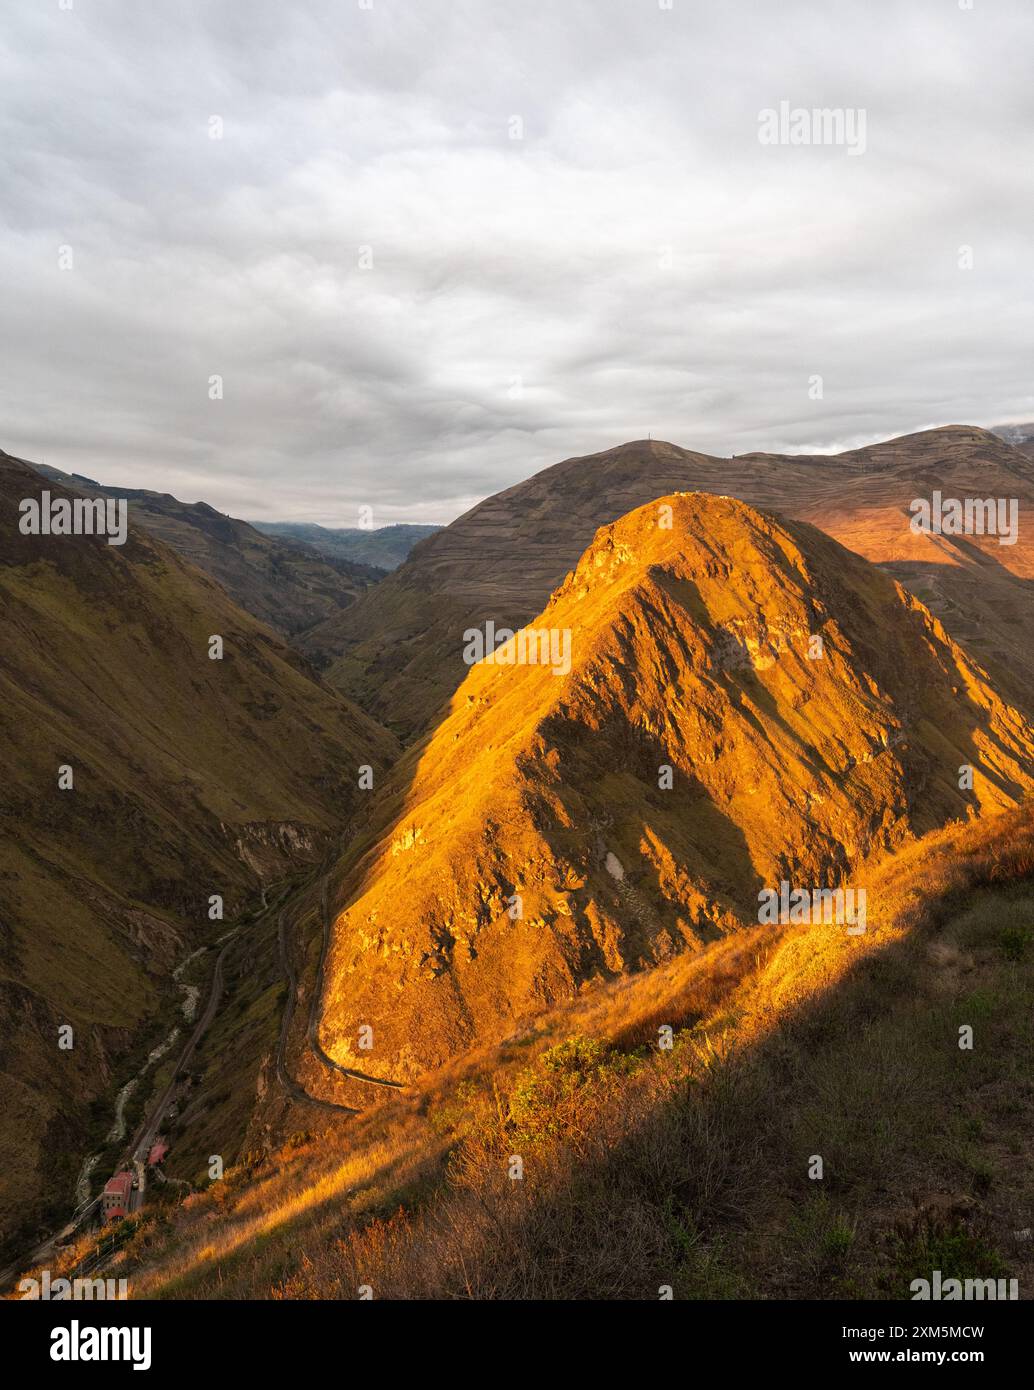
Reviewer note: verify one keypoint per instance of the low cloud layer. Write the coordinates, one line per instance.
(410, 308)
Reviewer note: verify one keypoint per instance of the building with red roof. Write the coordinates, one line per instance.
(116, 1197)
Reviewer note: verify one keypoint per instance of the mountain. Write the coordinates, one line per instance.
(385, 548)
(1019, 436)
(397, 651)
(191, 777)
(982, 590)
(286, 585)
(692, 747)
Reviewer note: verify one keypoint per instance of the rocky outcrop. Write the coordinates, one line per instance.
(271, 848)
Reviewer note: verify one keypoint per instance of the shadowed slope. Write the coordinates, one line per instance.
(191, 777)
(981, 590)
(283, 583)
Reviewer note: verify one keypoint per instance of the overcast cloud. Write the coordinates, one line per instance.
(638, 262)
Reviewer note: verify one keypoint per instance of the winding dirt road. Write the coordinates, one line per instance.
(301, 904)
(287, 1082)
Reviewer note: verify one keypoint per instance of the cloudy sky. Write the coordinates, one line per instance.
(441, 244)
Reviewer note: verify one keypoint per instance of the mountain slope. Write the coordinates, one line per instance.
(285, 584)
(981, 590)
(387, 547)
(191, 777)
(1019, 436)
(691, 650)
(398, 650)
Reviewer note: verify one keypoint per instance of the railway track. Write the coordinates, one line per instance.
(142, 1139)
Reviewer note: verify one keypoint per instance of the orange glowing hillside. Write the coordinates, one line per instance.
(559, 830)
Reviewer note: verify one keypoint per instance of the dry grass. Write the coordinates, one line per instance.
(644, 1168)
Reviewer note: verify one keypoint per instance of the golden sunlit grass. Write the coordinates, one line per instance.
(688, 1167)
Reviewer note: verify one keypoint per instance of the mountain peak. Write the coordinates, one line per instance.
(727, 694)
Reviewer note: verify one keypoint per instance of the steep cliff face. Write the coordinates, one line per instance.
(712, 702)
(270, 848)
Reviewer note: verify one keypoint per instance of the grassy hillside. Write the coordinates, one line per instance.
(191, 777)
(287, 585)
(397, 651)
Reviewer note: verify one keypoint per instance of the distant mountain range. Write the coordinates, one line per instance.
(386, 548)
(1020, 436)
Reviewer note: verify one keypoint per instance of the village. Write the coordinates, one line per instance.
(124, 1193)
